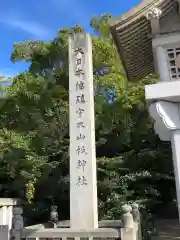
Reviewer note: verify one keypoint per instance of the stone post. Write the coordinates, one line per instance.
(53, 216)
(135, 212)
(127, 217)
(17, 223)
(127, 230)
(137, 219)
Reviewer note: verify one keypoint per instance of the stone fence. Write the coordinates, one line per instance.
(6, 215)
(128, 228)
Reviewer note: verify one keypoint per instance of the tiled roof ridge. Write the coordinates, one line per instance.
(138, 10)
(132, 35)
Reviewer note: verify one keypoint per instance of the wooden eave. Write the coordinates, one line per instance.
(133, 37)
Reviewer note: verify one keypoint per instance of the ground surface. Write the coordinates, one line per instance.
(168, 229)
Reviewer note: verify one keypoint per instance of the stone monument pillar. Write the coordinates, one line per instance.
(83, 180)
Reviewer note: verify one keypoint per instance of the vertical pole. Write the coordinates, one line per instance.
(3, 215)
(162, 64)
(83, 179)
(175, 145)
(9, 218)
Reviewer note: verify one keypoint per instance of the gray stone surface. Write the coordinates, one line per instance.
(101, 224)
(83, 179)
(4, 232)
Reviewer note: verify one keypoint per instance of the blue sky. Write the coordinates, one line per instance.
(22, 20)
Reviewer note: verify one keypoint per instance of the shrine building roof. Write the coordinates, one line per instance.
(133, 33)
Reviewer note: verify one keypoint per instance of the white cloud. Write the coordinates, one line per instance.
(33, 28)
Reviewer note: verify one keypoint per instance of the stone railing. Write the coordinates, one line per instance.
(6, 210)
(128, 228)
(6, 213)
